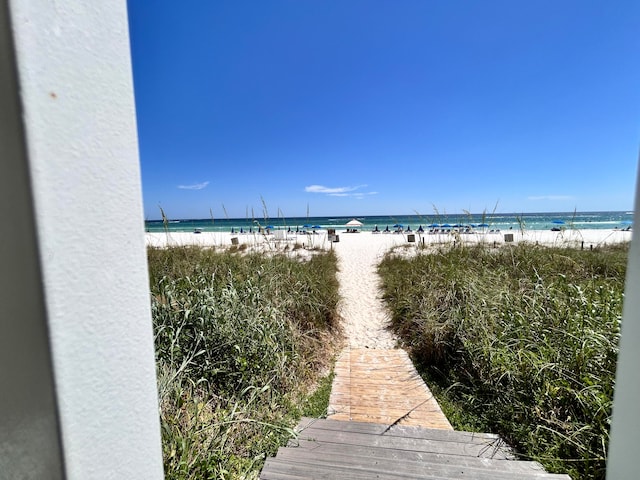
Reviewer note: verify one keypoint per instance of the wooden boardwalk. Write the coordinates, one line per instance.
(382, 386)
(384, 423)
(341, 450)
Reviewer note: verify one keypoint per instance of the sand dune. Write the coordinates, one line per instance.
(364, 316)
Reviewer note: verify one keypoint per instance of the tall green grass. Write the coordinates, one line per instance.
(520, 340)
(239, 340)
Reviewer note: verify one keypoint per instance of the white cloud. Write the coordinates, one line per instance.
(195, 186)
(338, 191)
(330, 190)
(550, 197)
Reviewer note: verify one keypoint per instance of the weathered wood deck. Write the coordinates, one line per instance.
(382, 386)
(384, 423)
(358, 451)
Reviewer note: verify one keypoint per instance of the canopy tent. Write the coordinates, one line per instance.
(354, 223)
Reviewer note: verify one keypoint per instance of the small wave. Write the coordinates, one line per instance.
(601, 222)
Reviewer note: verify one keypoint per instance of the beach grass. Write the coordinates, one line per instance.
(520, 340)
(241, 342)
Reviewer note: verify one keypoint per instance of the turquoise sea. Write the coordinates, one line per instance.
(501, 221)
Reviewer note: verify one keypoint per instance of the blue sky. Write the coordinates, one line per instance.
(367, 107)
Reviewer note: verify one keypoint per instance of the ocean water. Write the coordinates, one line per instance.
(497, 221)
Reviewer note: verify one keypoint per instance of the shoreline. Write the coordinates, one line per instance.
(587, 238)
(479, 222)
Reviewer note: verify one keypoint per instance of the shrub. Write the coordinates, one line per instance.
(520, 340)
(239, 339)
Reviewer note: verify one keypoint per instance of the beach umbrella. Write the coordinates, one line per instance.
(558, 222)
(306, 226)
(398, 225)
(353, 223)
(433, 225)
(483, 225)
(316, 226)
(446, 225)
(626, 222)
(270, 227)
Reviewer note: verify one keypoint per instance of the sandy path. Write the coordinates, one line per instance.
(364, 315)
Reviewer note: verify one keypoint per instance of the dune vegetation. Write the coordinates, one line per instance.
(242, 341)
(519, 340)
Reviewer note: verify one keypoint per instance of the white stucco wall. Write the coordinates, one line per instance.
(29, 435)
(624, 446)
(79, 116)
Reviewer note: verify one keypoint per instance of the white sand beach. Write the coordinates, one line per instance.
(382, 242)
(364, 316)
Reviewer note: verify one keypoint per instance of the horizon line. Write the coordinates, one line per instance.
(444, 214)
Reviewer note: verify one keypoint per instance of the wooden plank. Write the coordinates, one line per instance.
(362, 414)
(387, 418)
(449, 445)
(415, 417)
(374, 380)
(322, 472)
(394, 411)
(373, 389)
(429, 446)
(417, 432)
(409, 418)
(327, 450)
(394, 431)
(421, 420)
(405, 467)
(397, 408)
(366, 395)
(339, 472)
